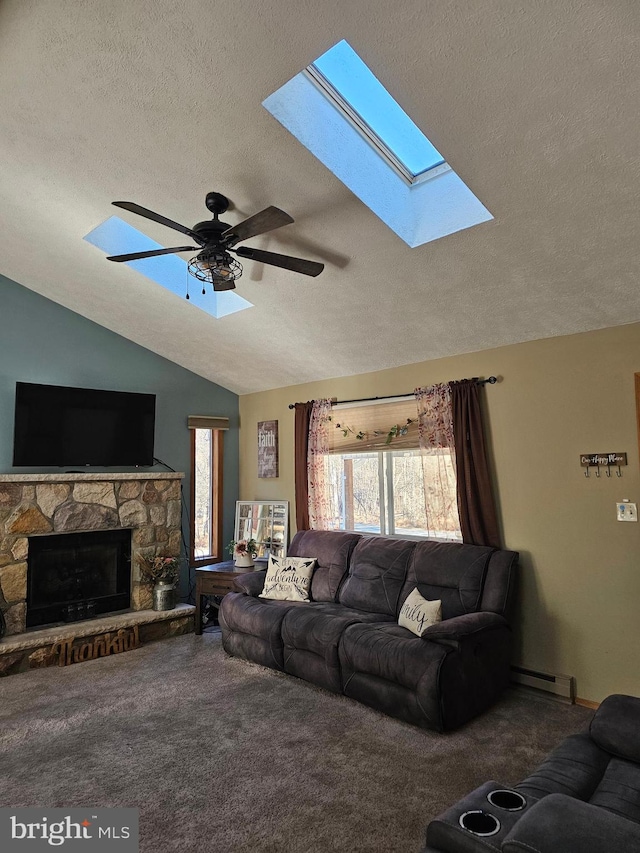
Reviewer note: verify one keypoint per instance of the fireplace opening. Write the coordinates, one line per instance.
(75, 576)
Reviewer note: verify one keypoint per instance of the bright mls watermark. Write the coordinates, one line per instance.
(80, 830)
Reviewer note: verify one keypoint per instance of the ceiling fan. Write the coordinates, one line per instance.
(216, 239)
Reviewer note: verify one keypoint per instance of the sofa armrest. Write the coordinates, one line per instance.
(252, 583)
(561, 823)
(452, 631)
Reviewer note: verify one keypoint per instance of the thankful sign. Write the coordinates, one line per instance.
(112, 643)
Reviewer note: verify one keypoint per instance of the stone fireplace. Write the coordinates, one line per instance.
(145, 508)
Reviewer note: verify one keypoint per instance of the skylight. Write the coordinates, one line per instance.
(117, 237)
(339, 110)
(356, 86)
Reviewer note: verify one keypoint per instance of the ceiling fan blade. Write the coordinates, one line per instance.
(259, 223)
(156, 217)
(136, 256)
(284, 261)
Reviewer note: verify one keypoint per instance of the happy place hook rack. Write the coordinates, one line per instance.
(605, 460)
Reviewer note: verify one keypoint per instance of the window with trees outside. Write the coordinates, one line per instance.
(382, 482)
(206, 492)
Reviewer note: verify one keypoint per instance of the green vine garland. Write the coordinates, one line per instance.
(395, 431)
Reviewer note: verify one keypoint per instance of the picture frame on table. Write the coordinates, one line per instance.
(267, 522)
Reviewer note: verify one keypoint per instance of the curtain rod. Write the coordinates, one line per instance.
(490, 381)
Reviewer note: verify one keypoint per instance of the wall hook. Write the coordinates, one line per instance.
(603, 460)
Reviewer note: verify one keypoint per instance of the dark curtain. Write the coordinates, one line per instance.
(476, 505)
(301, 446)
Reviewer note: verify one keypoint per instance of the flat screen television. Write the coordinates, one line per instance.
(58, 426)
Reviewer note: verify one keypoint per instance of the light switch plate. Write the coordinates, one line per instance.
(627, 511)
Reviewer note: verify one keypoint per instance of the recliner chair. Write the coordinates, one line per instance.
(585, 797)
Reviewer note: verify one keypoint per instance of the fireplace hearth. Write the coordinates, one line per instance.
(76, 576)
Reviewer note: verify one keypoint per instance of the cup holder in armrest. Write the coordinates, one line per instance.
(479, 822)
(510, 801)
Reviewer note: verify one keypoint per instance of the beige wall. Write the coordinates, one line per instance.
(579, 591)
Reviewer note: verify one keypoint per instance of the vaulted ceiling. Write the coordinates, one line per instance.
(533, 102)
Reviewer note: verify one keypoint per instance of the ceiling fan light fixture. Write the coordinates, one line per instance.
(216, 268)
(213, 264)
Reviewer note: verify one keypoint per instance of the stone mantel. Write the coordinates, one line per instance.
(31, 505)
(82, 477)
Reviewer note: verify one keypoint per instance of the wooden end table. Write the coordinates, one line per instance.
(217, 579)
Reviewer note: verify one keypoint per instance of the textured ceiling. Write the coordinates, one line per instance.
(534, 104)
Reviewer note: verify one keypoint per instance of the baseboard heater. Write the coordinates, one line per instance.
(559, 685)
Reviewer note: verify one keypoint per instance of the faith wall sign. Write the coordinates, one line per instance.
(267, 449)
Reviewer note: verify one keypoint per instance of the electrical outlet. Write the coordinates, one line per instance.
(627, 511)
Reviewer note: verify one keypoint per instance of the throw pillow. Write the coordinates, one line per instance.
(288, 578)
(417, 613)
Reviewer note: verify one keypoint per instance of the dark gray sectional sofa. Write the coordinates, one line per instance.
(584, 797)
(347, 638)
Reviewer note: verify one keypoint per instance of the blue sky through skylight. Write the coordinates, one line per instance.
(117, 237)
(435, 205)
(349, 75)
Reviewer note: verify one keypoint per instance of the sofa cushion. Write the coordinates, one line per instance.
(319, 627)
(377, 574)
(615, 726)
(619, 789)
(389, 668)
(253, 615)
(390, 652)
(311, 637)
(257, 617)
(417, 614)
(332, 550)
(288, 578)
(450, 571)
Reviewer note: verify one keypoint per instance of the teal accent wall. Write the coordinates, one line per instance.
(43, 342)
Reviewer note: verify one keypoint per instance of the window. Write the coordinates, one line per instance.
(340, 111)
(356, 91)
(206, 491)
(380, 479)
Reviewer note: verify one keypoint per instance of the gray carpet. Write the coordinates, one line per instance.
(224, 756)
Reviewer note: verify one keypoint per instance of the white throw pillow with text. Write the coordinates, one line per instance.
(288, 578)
(418, 613)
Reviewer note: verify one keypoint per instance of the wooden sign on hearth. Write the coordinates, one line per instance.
(124, 640)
